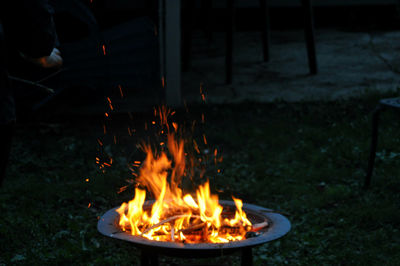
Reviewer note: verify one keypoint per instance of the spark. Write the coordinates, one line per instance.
(104, 49)
(122, 189)
(203, 96)
(120, 91)
(110, 104)
(196, 147)
(175, 125)
(204, 139)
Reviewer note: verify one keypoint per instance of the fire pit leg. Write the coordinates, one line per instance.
(148, 259)
(247, 257)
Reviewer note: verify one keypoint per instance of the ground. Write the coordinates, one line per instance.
(307, 159)
(349, 62)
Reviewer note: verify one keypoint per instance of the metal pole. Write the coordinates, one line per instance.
(161, 42)
(173, 52)
(187, 27)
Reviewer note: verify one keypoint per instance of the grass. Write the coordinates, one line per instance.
(306, 159)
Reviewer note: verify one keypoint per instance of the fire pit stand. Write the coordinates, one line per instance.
(278, 226)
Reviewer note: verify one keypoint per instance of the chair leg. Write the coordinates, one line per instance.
(265, 34)
(374, 143)
(310, 35)
(229, 40)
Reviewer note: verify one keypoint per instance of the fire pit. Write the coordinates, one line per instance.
(186, 221)
(278, 226)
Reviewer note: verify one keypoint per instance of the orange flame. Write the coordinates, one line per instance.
(175, 215)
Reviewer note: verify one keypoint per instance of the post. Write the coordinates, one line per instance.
(187, 29)
(161, 45)
(173, 52)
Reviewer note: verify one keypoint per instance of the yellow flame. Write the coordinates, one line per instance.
(175, 216)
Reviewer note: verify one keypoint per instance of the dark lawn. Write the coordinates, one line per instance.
(306, 159)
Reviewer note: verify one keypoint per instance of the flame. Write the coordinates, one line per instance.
(175, 215)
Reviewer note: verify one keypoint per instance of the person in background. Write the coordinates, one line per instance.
(28, 27)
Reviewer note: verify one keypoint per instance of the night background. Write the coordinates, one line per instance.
(293, 125)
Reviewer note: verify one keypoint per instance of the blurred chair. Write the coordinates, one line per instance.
(384, 104)
(230, 28)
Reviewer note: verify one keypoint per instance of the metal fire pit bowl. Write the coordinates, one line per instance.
(278, 226)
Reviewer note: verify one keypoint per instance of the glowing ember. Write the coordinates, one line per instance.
(175, 216)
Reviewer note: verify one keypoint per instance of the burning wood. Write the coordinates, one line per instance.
(175, 216)
(192, 228)
(258, 227)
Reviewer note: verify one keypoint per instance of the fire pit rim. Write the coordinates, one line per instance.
(279, 226)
